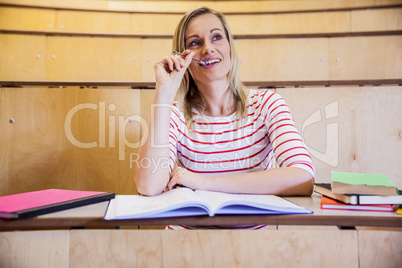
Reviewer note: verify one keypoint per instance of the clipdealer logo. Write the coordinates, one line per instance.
(331, 153)
(330, 156)
(101, 142)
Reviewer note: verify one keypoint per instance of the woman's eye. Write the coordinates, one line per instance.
(194, 43)
(217, 37)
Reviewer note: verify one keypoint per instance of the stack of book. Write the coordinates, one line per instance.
(359, 191)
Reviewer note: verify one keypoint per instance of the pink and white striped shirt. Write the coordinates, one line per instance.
(264, 139)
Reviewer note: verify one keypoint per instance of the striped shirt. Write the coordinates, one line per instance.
(266, 138)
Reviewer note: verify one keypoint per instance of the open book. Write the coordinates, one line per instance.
(181, 202)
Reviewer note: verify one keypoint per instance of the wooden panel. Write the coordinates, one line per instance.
(224, 6)
(377, 19)
(88, 21)
(146, 101)
(312, 22)
(355, 129)
(68, 138)
(87, 58)
(103, 21)
(380, 248)
(27, 18)
(320, 58)
(319, 22)
(34, 249)
(154, 50)
(376, 57)
(283, 59)
(251, 24)
(117, 22)
(214, 248)
(245, 6)
(62, 4)
(22, 57)
(154, 23)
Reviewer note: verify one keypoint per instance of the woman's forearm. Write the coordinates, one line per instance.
(152, 170)
(289, 181)
(151, 179)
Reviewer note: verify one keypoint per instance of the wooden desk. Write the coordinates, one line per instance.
(304, 244)
(92, 217)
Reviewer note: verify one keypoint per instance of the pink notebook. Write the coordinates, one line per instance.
(30, 204)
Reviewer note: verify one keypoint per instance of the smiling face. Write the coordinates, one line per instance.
(205, 35)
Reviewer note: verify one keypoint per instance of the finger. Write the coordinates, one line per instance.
(171, 184)
(170, 63)
(176, 172)
(186, 52)
(184, 55)
(175, 179)
(189, 58)
(184, 60)
(162, 66)
(179, 62)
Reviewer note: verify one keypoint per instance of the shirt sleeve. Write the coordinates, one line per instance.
(288, 146)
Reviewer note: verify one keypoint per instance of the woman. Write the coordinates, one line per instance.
(223, 136)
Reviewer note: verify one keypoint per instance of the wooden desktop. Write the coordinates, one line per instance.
(92, 217)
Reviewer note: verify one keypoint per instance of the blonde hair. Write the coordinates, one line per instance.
(188, 95)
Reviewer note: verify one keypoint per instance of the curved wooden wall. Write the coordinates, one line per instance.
(85, 135)
(100, 45)
(226, 6)
(330, 21)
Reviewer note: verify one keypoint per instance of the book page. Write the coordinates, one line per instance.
(223, 203)
(136, 206)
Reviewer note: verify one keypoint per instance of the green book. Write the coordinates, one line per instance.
(362, 183)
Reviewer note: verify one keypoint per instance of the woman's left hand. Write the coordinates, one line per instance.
(183, 177)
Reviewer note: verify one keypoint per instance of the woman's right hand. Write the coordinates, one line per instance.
(169, 73)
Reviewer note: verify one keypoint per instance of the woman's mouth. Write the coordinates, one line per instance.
(211, 62)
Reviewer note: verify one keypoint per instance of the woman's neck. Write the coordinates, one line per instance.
(219, 101)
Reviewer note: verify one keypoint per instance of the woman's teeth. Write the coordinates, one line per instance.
(212, 61)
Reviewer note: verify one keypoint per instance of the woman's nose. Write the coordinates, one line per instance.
(207, 48)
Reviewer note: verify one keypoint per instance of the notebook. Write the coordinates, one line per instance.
(30, 204)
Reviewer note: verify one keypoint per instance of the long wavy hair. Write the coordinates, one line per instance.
(189, 96)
